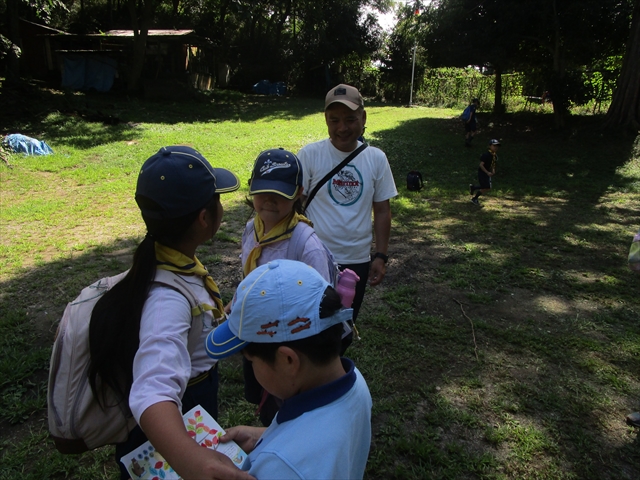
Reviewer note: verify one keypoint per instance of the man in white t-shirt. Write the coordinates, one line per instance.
(341, 209)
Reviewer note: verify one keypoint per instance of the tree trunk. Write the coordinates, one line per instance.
(13, 56)
(558, 87)
(140, 32)
(625, 105)
(498, 106)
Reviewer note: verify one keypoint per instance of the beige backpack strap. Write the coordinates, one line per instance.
(176, 282)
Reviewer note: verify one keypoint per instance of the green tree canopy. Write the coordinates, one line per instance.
(308, 43)
(552, 39)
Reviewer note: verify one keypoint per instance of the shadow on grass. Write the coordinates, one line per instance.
(540, 274)
(561, 214)
(527, 384)
(32, 304)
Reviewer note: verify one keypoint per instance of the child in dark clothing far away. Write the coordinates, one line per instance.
(486, 170)
(471, 125)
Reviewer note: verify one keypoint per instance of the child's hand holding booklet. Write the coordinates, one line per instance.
(145, 463)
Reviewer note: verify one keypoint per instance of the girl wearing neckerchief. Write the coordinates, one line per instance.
(139, 330)
(276, 196)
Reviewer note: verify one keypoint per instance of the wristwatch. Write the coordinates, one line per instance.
(385, 258)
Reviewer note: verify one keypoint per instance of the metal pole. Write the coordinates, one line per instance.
(413, 68)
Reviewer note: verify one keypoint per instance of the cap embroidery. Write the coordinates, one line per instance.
(298, 329)
(298, 320)
(270, 166)
(275, 323)
(305, 321)
(265, 332)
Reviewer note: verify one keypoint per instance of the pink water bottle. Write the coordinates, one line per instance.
(346, 287)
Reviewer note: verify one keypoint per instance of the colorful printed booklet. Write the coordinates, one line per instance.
(145, 463)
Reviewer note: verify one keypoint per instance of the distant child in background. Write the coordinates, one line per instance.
(276, 190)
(471, 124)
(287, 321)
(486, 170)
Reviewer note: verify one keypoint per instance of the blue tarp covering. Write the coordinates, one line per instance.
(22, 144)
(81, 72)
(265, 87)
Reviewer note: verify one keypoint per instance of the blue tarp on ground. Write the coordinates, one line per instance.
(82, 72)
(265, 87)
(19, 143)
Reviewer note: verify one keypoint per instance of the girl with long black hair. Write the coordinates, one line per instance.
(139, 329)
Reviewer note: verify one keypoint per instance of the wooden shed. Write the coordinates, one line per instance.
(101, 60)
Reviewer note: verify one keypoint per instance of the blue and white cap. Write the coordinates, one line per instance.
(276, 171)
(277, 302)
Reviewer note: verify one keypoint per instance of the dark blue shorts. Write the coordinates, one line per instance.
(484, 180)
(470, 126)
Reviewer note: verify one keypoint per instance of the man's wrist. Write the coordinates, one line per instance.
(384, 257)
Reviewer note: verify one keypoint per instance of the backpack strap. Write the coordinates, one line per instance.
(177, 283)
(298, 240)
(249, 228)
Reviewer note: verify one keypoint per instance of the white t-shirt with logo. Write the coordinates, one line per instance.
(341, 210)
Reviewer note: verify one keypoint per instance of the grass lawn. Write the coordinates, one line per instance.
(504, 342)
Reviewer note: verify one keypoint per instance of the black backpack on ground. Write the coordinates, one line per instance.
(414, 181)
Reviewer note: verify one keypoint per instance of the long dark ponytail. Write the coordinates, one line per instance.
(114, 330)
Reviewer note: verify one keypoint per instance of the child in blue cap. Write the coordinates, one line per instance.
(287, 321)
(140, 331)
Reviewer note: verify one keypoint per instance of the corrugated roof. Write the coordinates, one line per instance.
(43, 27)
(152, 33)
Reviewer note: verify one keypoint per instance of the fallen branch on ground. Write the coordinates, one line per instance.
(473, 332)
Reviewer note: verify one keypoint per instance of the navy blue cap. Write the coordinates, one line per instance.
(493, 141)
(276, 171)
(177, 181)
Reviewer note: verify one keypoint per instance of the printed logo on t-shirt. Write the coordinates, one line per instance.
(345, 188)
